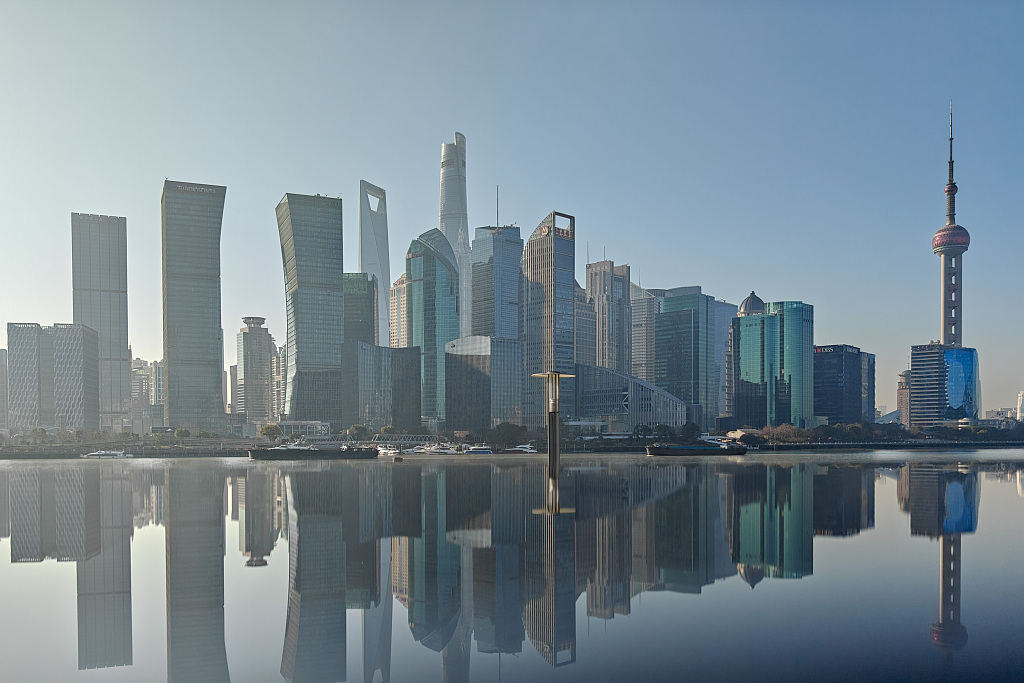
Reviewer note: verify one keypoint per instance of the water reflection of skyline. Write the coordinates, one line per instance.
(459, 546)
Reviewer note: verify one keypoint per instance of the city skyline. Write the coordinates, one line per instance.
(833, 166)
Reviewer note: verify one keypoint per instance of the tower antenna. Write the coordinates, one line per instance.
(497, 223)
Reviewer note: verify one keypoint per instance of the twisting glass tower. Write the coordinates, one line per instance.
(950, 243)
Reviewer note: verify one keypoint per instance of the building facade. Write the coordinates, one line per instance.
(399, 333)
(624, 402)
(453, 220)
(483, 383)
(772, 364)
(844, 384)
(495, 264)
(903, 398)
(3, 391)
(686, 349)
(608, 288)
(254, 379)
(99, 276)
(585, 324)
(310, 228)
(76, 377)
(945, 385)
(361, 307)
(193, 339)
(432, 314)
(374, 257)
(546, 299)
(389, 387)
(644, 308)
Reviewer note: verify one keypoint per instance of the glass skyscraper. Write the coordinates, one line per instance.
(773, 364)
(389, 386)
(608, 288)
(945, 384)
(547, 305)
(685, 349)
(311, 248)
(3, 390)
(374, 258)
(361, 307)
(255, 352)
(99, 275)
(844, 384)
(432, 314)
(191, 216)
(495, 259)
(453, 220)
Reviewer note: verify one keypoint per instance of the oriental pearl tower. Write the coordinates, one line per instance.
(949, 244)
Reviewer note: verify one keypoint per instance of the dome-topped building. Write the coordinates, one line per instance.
(751, 305)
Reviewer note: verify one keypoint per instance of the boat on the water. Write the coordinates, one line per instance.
(710, 449)
(300, 451)
(107, 454)
(478, 450)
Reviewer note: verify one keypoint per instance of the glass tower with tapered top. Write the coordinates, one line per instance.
(949, 244)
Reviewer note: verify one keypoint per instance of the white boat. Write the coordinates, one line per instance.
(389, 451)
(522, 448)
(292, 447)
(107, 454)
(478, 450)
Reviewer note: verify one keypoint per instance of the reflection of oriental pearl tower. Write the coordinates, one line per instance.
(949, 243)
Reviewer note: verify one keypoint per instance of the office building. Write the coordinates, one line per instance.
(945, 385)
(360, 328)
(622, 402)
(53, 377)
(903, 398)
(453, 220)
(311, 247)
(547, 296)
(253, 384)
(483, 383)
(3, 391)
(686, 349)
(644, 308)
(725, 312)
(608, 288)
(99, 276)
(389, 387)
(945, 379)
(1020, 406)
(279, 379)
(772, 364)
(495, 264)
(193, 338)
(374, 257)
(585, 326)
(432, 314)
(399, 333)
(844, 384)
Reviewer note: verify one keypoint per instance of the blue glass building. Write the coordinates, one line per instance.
(945, 384)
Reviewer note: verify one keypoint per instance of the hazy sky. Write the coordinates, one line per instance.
(796, 149)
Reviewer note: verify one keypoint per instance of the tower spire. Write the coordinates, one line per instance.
(950, 185)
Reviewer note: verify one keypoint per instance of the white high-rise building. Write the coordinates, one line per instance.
(374, 257)
(1020, 406)
(453, 221)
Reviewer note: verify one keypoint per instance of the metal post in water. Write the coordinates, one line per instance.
(552, 383)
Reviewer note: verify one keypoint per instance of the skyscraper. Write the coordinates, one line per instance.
(608, 287)
(495, 260)
(432, 314)
(399, 333)
(585, 327)
(546, 300)
(844, 384)
(685, 349)
(99, 275)
(374, 257)
(946, 378)
(644, 307)
(191, 216)
(311, 248)
(453, 219)
(772, 363)
(903, 398)
(76, 377)
(361, 308)
(3, 390)
(483, 382)
(255, 350)
(30, 376)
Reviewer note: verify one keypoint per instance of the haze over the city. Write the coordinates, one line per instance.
(797, 151)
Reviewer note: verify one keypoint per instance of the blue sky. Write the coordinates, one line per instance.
(796, 149)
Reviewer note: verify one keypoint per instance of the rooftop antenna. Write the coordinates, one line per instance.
(588, 252)
(497, 223)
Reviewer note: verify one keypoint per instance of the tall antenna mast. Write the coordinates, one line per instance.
(497, 223)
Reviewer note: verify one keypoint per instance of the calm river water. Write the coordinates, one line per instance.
(877, 566)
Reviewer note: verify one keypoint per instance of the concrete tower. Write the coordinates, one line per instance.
(950, 243)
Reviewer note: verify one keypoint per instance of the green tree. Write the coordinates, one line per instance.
(689, 432)
(358, 432)
(388, 430)
(182, 433)
(272, 432)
